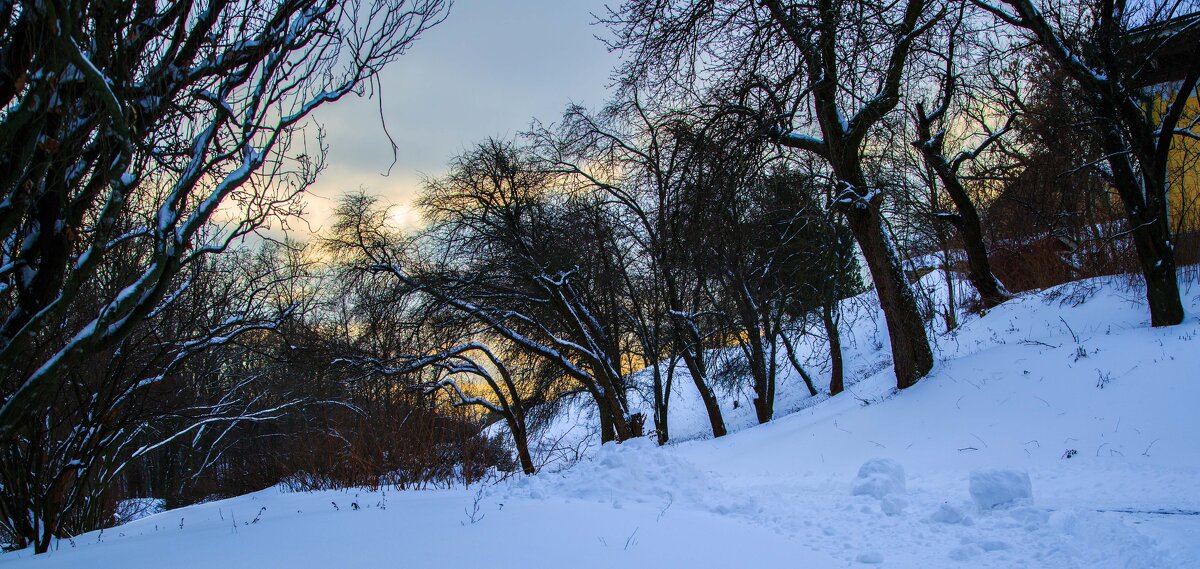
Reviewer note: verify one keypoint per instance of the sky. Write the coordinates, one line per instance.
(488, 70)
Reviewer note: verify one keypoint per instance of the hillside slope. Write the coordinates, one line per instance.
(1069, 387)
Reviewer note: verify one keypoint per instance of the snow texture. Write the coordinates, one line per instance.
(996, 488)
(879, 477)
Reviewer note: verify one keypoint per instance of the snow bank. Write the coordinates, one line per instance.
(1076, 368)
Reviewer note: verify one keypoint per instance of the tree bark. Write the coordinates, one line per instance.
(607, 434)
(696, 369)
(1150, 230)
(661, 398)
(911, 355)
(521, 441)
(762, 361)
(836, 379)
(791, 352)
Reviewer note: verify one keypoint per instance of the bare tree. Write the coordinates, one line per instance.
(519, 258)
(639, 159)
(833, 67)
(1114, 51)
(471, 360)
(129, 127)
(960, 104)
(167, 380)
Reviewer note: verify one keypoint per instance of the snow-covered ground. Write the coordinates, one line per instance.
(1069, 397)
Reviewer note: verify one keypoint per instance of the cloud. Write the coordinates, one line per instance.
(488, 70)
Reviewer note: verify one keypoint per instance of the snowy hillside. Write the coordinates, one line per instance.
(1067, 394)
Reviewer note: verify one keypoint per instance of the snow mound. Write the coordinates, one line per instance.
(879, 477)
(1097, 540)
(637, 471)
(997, 488)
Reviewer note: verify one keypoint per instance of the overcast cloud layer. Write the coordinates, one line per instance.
(489, 69)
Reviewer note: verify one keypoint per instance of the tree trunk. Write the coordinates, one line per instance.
(911, 356)
(763, 396)
(660, 402)
(836, 373)
(979, 270)
(764, 403)
(699, 375)
(951, 305)
(1151, 230)
(620, 425)
(1156, 255)
(521, 441)
(791, 352)
(607, 433)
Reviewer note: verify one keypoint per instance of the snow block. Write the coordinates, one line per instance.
(992, 489)
(879, 477)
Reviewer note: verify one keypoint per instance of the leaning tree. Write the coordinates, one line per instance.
(133, 128)
(138, 141)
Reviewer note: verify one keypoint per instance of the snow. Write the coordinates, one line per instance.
(996, 488)
(951, 464)
(948, 514)
(879, 477)
(870, 557)
(892, 505)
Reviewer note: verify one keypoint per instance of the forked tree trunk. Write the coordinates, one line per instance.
(765, 354)
(610, 408)
(820, 40)
(660, 404)
(621, 423)
(691, 348)
(755, 349)
(979, 270)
